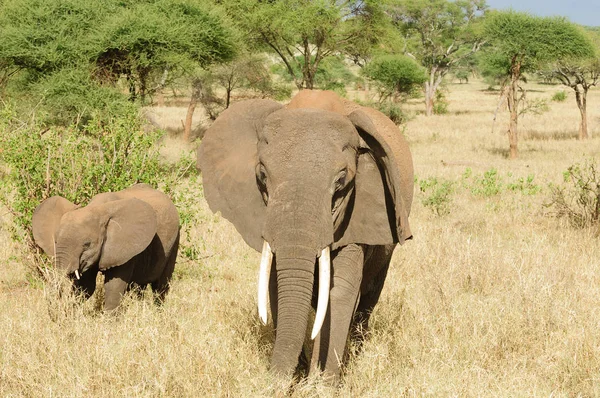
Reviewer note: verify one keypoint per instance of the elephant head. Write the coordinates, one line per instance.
(297, 183)
(93, 236)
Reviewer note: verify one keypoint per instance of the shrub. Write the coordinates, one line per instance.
(393, 111)
(559, 96)
(524, 185)
(438, 196)
(489, 184)
(440, 106)
(578, 199)
(395, 75)
(76, 164)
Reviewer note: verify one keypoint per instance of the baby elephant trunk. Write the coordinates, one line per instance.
(67, 261)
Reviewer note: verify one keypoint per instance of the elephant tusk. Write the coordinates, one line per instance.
(263, 281)
(77, 274)
(323, 300)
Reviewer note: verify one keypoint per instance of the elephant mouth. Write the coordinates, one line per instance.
(324, 282)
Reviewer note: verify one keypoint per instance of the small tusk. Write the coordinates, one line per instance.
(322, 302)
(77, 274)
(263, 281)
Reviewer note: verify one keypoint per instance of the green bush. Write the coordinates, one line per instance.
(524, 185)
(440, 105)
(393, 111)
(70, 97)
(559, 96)
(438, 195)
(578, 199)
(490, 184)
(395, 75)
(77, 164)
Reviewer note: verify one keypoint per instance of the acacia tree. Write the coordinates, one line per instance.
(149, 41)
(70, 55)
(522, 43)
(440, 34)
(304, 32)
(580, 75)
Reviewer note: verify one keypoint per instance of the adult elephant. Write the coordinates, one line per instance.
(321, 178)
(131, 236)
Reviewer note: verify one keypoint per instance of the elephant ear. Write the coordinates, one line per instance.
(130, 227)
(384, 183)
(46, 219)
(227, 158)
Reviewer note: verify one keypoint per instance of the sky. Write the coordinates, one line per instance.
(583, 12)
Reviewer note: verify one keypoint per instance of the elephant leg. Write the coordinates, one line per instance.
(86, 285)
(330, 344)
(116, 281)
(377, 263)
(162, 285)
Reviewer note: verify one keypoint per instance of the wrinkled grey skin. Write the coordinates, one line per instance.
(320, 172)
(131, 236)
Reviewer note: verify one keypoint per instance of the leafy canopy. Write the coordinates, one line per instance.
(304, 32)
(532, 41)
(395, 74)
(438, 32)
(73, 52)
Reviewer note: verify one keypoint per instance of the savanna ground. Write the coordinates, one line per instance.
(494, 298)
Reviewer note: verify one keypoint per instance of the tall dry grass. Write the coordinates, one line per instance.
(493, 299)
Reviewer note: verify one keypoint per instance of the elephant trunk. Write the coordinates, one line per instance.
(295, 265)
(297, 230)
(67, 260)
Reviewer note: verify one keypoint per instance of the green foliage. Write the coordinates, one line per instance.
(578, 198)
(70, 96)
(440, 106)
(559, 96)
(441, 32)
(314, 30)
(395, 75)
(109, 155)
(524, 185)
(43, 36)
(438, 195)
(332, 73)
(249, 74)
(143, 39)
(490, 184)
(462, 75)
(63, 57)
(531, 41)
(391, 110)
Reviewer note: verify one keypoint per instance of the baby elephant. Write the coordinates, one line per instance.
(131, 236)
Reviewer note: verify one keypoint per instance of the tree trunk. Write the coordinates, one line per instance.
(187, 127)
(513, 106)
(581, 97)
(431, 86)
(227, 98)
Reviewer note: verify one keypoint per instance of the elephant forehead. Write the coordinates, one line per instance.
(309, 126)
(80, 222)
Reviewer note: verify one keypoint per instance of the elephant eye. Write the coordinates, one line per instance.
(261, 181)
(340, 180)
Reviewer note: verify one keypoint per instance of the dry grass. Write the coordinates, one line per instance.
(493, 299)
